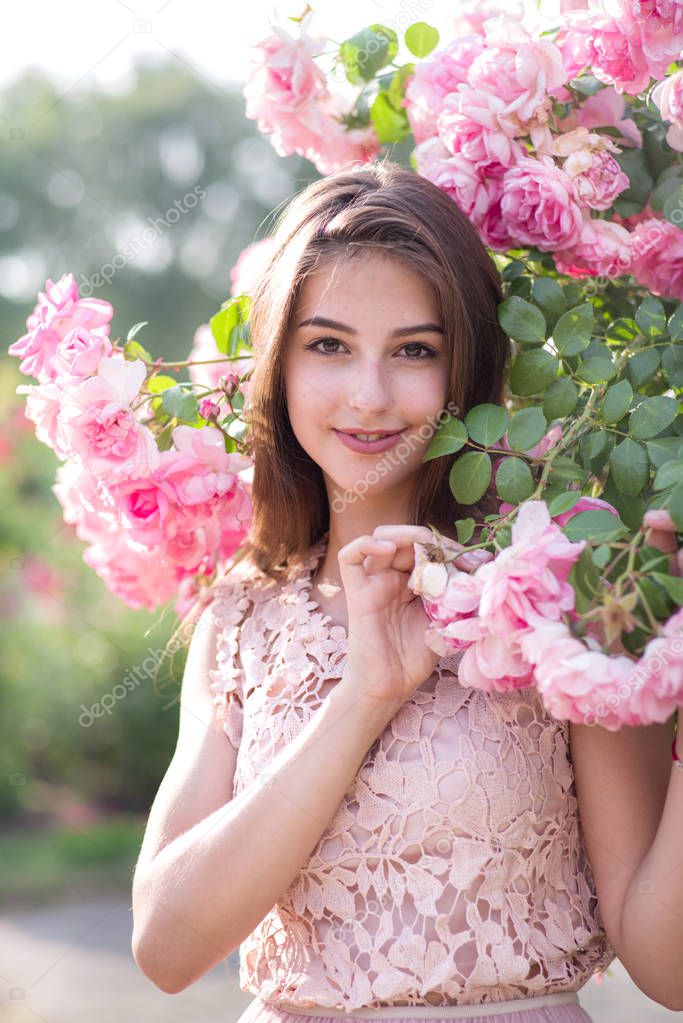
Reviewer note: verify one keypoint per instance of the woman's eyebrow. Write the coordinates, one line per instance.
(323, 321)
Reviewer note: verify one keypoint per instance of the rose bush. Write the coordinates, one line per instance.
(563, 147)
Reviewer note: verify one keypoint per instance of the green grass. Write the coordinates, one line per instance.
(57, 863)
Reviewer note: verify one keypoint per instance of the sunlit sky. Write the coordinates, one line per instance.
(85, 43)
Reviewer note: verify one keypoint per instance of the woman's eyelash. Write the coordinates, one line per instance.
(430, 352)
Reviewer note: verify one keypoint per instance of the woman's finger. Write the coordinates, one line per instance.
(353, 557)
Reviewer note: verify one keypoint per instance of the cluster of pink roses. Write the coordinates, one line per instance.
(156, 520)
(288, 97)
(510, 619)
(499, 128)
(482, 114)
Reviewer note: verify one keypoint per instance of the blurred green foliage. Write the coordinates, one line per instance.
(82, 172)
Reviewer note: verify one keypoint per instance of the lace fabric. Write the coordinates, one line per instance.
(454, 869)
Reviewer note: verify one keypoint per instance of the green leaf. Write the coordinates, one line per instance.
(564, 468)
(634, 164)
(665, 187)
(549, 295)
(364, 53)
(573, 330)
(623, 331)
(421, 38)
(642, 366)
(672, 364)
(181, 403)
(656, 596)
(601, 555)
(560, 398)
(597, 525)
(470, 476)
(617, 402)
(390, 124)
(629, 465)
(532, 372)
(669, 474)
(564, 502)
(527, 428)
(486, 423)
(672, 584)
(673, 207)
(514, 482)
(159, 383)
(652, 416)
(595, 370)
(133, 350)
(225, 326)
(651, 319)
(676, 324)
(449, 438)
(675, 507)
(465, 528)
(523, 321)
(663, 449)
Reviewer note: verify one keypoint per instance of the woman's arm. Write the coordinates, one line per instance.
(630, 800)
(198, 896)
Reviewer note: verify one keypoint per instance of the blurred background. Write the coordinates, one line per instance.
(111, 115)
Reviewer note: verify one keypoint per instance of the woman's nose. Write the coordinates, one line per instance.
(370, 389)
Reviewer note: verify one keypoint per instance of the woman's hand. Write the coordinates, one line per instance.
(387, 652)
(663, 537)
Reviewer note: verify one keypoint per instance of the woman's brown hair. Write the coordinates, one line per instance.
(383, 206)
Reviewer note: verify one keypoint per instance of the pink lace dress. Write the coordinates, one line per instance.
(452, 880)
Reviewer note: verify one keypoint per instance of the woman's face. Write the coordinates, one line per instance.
(360, 375)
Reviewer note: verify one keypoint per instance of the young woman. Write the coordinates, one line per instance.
(378, 840)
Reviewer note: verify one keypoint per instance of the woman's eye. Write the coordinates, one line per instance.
(429, 352)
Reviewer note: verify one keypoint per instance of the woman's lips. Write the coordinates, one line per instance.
(369, 447)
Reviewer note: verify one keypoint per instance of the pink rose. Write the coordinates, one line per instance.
(287, 95)
(339, 147)
(58, 311)
(141, 576)
(97, 426)
(472, 15)
(610, 47)
(521, 72)
(598, 178)
(657, 252)
(620, 47)
(250, 262)
(660, 14)
(43, 404)
(576, 683)
(668, 96)
(468, 124)
(285, 88)
(488, 611)
(458, 177)
(603, 248)
(539, 205)
(656, 686)
(78, 355)
(433, 79)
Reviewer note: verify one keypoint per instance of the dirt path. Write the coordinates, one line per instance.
(71, 963)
